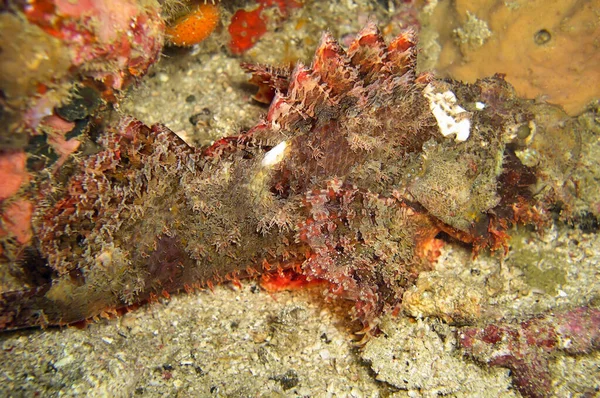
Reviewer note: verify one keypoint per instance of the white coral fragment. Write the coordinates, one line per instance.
(275, 155)
(451, 117)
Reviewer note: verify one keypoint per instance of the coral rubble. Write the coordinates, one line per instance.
(420, 357)
(348, 179)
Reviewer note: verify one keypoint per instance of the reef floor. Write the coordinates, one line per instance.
(242, 342)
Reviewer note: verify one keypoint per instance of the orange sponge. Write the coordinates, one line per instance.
(194, 27)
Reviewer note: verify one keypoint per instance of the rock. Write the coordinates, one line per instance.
(547, 50)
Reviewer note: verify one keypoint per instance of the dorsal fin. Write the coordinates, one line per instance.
(333, 66)
(368, 53)
(306, 90)
(401, 53)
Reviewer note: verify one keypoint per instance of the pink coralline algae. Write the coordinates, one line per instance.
(16, 220)
(51, 47)
(121, 34)
(347, 180)
(527, 347)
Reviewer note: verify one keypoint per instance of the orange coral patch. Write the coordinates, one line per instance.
(12, 173)
(195, 26)
(16, 221)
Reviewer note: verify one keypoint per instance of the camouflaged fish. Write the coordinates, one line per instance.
(357, 167)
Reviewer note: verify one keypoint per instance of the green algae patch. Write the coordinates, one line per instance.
(541, 269)
(547, 280)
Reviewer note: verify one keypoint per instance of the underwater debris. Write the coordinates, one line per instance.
(527, 347)
(356, 195)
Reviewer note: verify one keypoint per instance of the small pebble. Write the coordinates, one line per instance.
(63, 362)
(325, 354)
(201, 118)
(163, 77)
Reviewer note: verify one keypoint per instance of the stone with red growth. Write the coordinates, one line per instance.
(527, 347)
(104, 32)
(103, 44)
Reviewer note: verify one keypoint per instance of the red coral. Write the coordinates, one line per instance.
(247, 27)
